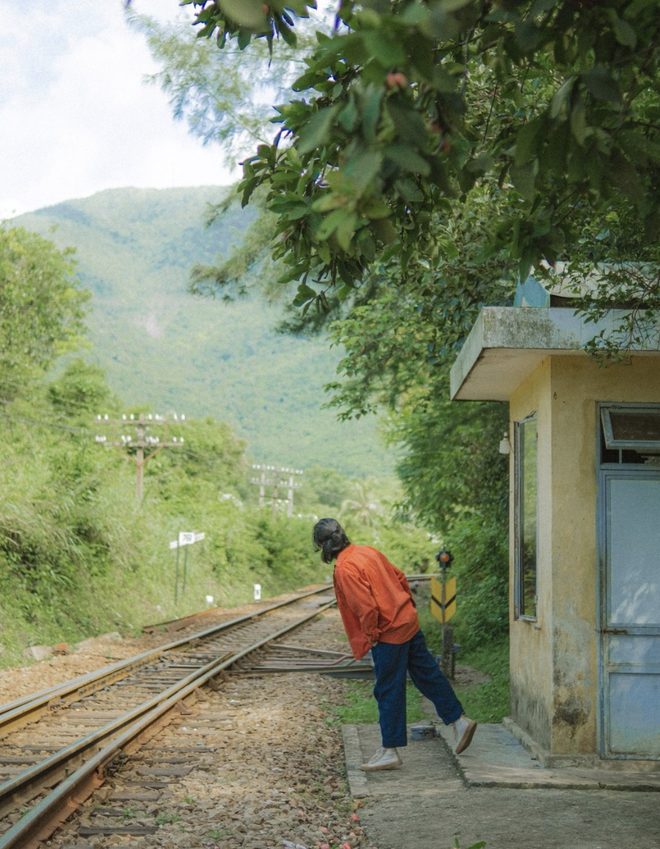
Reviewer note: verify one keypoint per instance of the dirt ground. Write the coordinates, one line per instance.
(275, 776)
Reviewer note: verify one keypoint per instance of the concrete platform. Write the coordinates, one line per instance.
(496, 759)
(497, 792)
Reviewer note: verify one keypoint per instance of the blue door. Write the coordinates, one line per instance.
(630, 613)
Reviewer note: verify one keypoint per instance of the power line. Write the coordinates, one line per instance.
(151, 436)
(277, 478)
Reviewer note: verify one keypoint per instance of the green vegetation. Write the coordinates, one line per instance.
(360, 707)
(166, 350)
(486, 701)
(406, 110)
(79, 555)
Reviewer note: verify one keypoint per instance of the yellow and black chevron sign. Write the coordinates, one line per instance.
(443, 599)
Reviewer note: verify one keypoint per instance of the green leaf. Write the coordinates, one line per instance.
(409, 190)
(453, 5)
(481, 164)
(523, 178)
(527, 35)
(304, 294)
(638, 146)
(385, 50)
(375, 208)
(441, 25)
(624, 176)
(288, 35)
(562, 95)
(638, 6)
(540, 6)
(526, 140)
(602, 85)
(409, 123)
(384, 230)
(367, 244)
(407, 158)
(316, 131)
(245, 13)
(363, 168)
(327, 201)
(370, 103)
(346, 229)
(294, 211)
(623, 32)
(330, 223)
(579, 126)
(308, 80)
(348, 116)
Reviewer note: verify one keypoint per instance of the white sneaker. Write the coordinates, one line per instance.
(464, 729)
(383, 759)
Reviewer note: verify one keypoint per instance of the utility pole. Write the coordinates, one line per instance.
(277, 477)
(150, 436)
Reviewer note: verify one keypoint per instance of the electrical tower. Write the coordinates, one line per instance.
(279, 479)
(151, 435)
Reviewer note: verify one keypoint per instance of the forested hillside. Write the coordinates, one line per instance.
(166, 350)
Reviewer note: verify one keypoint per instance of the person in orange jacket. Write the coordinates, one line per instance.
(379, 615)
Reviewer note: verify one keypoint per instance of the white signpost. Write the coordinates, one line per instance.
(185, 538)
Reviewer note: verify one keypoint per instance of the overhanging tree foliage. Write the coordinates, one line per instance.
(410, 103)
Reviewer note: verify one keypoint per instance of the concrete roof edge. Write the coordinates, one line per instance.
(553, 329)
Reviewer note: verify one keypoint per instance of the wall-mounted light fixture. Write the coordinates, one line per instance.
(505, 445)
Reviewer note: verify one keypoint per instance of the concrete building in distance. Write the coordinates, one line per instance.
(584, 444)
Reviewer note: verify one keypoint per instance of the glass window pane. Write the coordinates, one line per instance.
(640, 427)
(632, 428)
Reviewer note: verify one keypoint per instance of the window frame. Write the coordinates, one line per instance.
(639, 445)
(520, 516)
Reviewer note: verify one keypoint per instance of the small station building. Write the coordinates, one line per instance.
(584, 443)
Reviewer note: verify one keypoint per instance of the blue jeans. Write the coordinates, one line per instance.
(391, 663)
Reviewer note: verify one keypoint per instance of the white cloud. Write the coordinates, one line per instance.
(75, 114)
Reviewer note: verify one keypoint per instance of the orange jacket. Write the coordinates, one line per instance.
(374, 599)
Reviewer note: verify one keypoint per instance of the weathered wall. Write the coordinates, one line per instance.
(531, 643)
(554, 660)
(577, 384)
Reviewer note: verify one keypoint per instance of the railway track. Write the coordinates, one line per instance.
(58, 746)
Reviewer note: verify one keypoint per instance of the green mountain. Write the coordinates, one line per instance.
(165, 348)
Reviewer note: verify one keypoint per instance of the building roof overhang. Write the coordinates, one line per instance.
(506, 344)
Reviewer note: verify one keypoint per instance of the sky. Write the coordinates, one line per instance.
(76, 116)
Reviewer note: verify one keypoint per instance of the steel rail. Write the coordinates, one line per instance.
(39, 823)
(27, 708)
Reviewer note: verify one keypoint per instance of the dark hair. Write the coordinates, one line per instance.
(329, 538)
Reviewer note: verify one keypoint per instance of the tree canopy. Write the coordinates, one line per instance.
(42, 306)
(410, 104)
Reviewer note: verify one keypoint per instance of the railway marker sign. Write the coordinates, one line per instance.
(443, 599)
(185, 538)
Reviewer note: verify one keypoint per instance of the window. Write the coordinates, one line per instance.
(630, 434)
(526, 516)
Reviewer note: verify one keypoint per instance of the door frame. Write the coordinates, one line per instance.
(607, 472)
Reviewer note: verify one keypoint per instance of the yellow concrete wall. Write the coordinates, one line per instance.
(554, 661)
(577, 384)
(531, 645)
